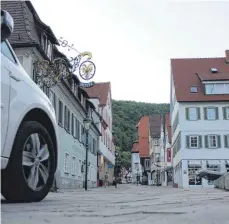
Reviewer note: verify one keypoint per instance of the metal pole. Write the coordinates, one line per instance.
(86, 162)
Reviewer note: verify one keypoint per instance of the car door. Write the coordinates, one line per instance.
(7, 61)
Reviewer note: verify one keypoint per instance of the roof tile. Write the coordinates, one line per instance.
(188, 72)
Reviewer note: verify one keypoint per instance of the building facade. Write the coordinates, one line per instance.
(100, 95)
(34, 41)
(144, 146)
(199, 112)
(136, 167)
(166, 175)
(155, 152)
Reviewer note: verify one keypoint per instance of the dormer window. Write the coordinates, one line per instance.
(46, 45)
(216, 88)
(214, 70)
(193, 89)
(49, 50)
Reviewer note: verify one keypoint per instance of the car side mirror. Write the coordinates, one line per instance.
(7, 25)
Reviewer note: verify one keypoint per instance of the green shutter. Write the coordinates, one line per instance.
(224, 113)
(226, 143)
(200, 141)
(219, 141)
(187, 113)
(205, 113)
(187, 142)
(198, 113)
(216, 113)
(206, 141)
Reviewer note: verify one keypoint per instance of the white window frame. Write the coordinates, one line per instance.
(73, 166)
(227, 113)
(191, 118)
(213, 87)
(66, 162)
(49, 49)
(190, 141)
(207, 115)
(209, 141)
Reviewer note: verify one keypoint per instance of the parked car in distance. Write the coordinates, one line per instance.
(29, 143)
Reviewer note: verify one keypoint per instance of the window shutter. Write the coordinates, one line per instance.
(216, 113)
(219, 141)
(187, 142)
(198, 113)
(187, 113)
(226, 139)
(200, 141)
(206, 141)
(224, 113)
(205, 113)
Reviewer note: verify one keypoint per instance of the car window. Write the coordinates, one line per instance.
(7, 52)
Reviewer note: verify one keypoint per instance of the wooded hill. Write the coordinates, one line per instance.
(126, 115)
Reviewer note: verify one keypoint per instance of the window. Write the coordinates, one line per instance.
(73, 125)
(94, 147)
(46, 90)
(209, 89)
(212, 141)
(77, 129)
(73, 165)
(49, 50)
(175, 123)
(7, 52)
(193, 113)
(156, 142)
(214, 70)
(52, 97)
(226, 113)
(226, 88)
(147, 164)
(193, 89)
(67, 119)
(66, 163)
(193, 142)
(60, 114)
(227, 166)
(211, 113)
(193, 178)
(80, 165)
(217, 88)
(213, 167)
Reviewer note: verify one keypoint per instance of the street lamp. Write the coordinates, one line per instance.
(87, 125)
(116, 167)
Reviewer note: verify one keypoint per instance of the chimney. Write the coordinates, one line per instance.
(227, 56)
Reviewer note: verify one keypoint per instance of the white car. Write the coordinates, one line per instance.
(29, 143)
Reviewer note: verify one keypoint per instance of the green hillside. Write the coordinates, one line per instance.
(126, 115)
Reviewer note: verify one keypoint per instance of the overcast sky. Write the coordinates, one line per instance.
(132, 41)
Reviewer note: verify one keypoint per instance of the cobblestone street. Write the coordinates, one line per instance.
(127, 204)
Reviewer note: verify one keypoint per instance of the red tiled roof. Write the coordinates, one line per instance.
(135, 147)
(168, 126)
(184, 72)
(210, 77)
(155, 125)
(100, 90)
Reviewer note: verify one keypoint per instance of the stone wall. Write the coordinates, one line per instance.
(223, 182)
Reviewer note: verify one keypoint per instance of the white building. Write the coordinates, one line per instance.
(136, 166)
(199, 118)
(100, 95)
(155, 150)
(165, 148)
(34, 41)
